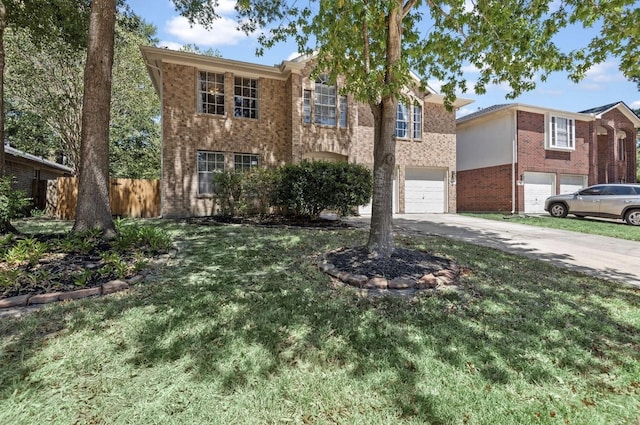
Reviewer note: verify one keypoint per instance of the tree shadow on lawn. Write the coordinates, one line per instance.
(239, 325)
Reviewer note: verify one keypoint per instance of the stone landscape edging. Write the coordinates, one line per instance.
(111, 287)
(432, 281)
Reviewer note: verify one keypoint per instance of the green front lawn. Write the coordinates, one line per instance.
(613, 228)
(241, 328)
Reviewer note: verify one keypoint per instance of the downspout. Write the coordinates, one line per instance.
(514, 158)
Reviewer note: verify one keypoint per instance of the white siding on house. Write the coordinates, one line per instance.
(485, 143)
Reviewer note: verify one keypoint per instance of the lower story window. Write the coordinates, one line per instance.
(245, 162)
(208, 163)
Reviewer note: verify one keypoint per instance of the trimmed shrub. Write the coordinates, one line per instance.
(308, 188)
(227, 192)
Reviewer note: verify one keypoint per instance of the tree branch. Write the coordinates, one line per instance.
(407, 7)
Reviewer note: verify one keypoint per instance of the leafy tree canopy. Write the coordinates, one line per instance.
(509, 41)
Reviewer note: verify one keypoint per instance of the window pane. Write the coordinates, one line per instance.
(208, 163)
(211, 93)
(325, 102)
(244, 162)
(343, 111)
(246, 96)
(417, 122)
(402, 121)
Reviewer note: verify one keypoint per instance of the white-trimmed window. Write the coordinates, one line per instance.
(208, 163)
(306, 107)
(245, 98)
(417, 122)
(210, 93)
(402, 121)
(562, 133)
(409, 121)
(245, 162)
(325, 102)
(343, 111)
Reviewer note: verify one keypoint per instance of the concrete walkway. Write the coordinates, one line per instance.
(600, 256)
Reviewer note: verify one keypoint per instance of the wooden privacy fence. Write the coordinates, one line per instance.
(128, 197)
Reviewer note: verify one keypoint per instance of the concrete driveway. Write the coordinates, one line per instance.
(604, 257)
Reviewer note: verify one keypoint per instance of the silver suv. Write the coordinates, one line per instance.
(602, 200)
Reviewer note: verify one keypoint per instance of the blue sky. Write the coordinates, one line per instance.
(602, 85)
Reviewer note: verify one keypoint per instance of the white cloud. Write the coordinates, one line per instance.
(223, 33)
(170, 45)
(605, 72)
(635, 104)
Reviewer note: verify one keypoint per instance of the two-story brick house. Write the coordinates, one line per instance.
(511, 157)
(224, 114)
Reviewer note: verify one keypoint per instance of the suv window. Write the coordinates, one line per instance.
(597, 190)
(618, 190)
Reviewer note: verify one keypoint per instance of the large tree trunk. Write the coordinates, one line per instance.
(3, 26)
(380, 242)
(93, 210)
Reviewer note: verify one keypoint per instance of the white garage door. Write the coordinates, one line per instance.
(424, 190)
(366, 209)
(572, 183)
(537, 188)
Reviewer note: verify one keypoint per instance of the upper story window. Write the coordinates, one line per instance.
(208, 163)
(245, 99)
(409, 121)
(417, 122)
(402, 121)
(245, 162)
(325, 102)
(562, 133)
(343, 111)
(306, 107)
(210, 93)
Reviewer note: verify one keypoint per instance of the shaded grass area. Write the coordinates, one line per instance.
(241, 328)
(593, 226)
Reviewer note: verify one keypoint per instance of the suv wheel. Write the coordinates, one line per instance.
(560, 210)
(633, 217)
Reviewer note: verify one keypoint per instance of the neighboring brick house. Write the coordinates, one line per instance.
(31, 172)
(511, 157)
(224, 114)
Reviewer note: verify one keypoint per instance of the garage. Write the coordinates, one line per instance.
(425, 190)
(572, 183)
(537, 188)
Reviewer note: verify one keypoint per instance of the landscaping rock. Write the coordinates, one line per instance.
(19, 301)
(428, 281)
(135, 279)
(377, 283)
(357, 280)
(45, 298)
(80, 293)
(401, 283)
(114, 286)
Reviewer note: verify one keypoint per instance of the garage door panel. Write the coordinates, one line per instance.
(572, 183)
(424, 190)
(537, 188)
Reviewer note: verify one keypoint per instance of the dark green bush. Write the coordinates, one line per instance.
(227, 192)
(12, 202)
(308, 188)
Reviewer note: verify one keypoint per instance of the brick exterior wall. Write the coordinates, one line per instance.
(485, 189)
(278, 136)
(607, 167)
